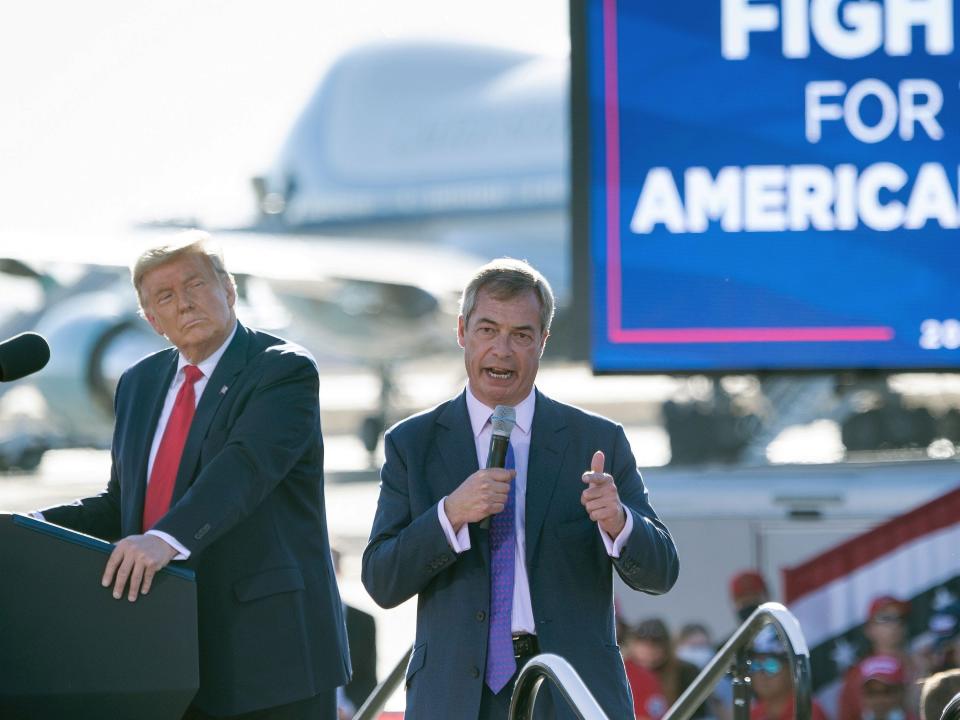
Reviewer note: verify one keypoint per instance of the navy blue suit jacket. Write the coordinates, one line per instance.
(248, 504)
(570, 574)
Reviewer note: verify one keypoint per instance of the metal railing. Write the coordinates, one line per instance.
(733, 655)
(381, 693)
(569, 684)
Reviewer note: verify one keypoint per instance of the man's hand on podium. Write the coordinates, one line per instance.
(136, 558)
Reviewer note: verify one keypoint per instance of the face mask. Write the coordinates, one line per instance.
(746, 611)
(895, 714)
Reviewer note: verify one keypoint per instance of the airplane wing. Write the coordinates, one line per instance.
(366, 302)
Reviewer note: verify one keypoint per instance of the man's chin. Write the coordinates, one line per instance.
(499, 395)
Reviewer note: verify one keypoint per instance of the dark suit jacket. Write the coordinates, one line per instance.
(248, 504)
(570, 573)
(362, 634)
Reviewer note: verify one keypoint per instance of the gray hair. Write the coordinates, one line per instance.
(187, 242)
(505, 278)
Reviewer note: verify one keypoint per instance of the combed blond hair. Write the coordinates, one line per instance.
(187, 242)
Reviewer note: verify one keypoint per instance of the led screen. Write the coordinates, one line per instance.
(772, 185)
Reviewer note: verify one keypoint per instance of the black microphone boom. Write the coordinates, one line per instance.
(503, 419)
(21, 355)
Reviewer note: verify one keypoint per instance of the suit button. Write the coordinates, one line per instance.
(481, 616)
(475, 672)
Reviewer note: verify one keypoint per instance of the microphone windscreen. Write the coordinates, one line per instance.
(21, 355)
(503, 419)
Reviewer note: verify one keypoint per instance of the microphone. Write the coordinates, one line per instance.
(21, 355)
(503, 419)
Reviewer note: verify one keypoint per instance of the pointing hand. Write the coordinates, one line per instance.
(601, 500)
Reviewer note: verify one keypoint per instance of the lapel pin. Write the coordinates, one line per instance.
(223, 390)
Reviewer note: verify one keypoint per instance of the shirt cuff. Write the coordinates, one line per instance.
(615, 546)
(182, 552)
(459, 542)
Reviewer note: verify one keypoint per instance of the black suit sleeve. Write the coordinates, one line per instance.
(648, 560)
(267, 434)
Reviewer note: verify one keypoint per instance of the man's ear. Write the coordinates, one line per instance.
(231, 293)
(461, 330)
(543, 343)
(148, 316)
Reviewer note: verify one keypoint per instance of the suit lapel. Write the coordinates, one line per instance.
(143, 434)
(230, 365)
(458, 451)
(547, 445)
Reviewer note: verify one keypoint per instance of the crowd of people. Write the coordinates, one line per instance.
(893, 677)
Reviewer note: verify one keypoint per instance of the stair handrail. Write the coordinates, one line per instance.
(569, 684)
(585, 707)
(376, 700)
(735, 652)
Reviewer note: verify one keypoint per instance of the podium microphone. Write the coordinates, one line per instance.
(503, 419)
(21, 355)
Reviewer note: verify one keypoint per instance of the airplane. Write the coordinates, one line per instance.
(358, 300)
(461, 145)
(413, 163)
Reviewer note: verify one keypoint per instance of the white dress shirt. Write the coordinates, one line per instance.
(522, 614)
(206, 367)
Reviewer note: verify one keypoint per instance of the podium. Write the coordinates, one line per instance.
(68, 650)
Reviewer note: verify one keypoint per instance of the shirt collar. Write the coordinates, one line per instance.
(480, 413)
(209, 365)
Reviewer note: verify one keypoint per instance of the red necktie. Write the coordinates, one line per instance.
(167, 462)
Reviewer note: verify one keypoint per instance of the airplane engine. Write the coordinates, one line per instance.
(93, 337)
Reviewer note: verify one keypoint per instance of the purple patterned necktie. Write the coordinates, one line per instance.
(501, 663)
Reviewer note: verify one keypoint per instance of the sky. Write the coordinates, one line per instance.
(116, 111)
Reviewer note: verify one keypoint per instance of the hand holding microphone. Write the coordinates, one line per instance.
(485, 492)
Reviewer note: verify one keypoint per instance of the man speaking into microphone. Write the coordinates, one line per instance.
(566, 509)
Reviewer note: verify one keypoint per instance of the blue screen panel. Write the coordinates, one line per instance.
(773, 185)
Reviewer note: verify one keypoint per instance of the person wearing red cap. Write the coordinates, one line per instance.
(748, 591)
(885, 631)
(882, 690)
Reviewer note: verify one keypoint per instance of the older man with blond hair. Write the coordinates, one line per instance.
(566, 510)
(217, 462)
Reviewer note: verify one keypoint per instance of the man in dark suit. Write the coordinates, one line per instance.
(217, 460)
(540, 579)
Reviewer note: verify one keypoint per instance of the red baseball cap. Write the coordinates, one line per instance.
(888, 602)
(748, 582)
(885, 668)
